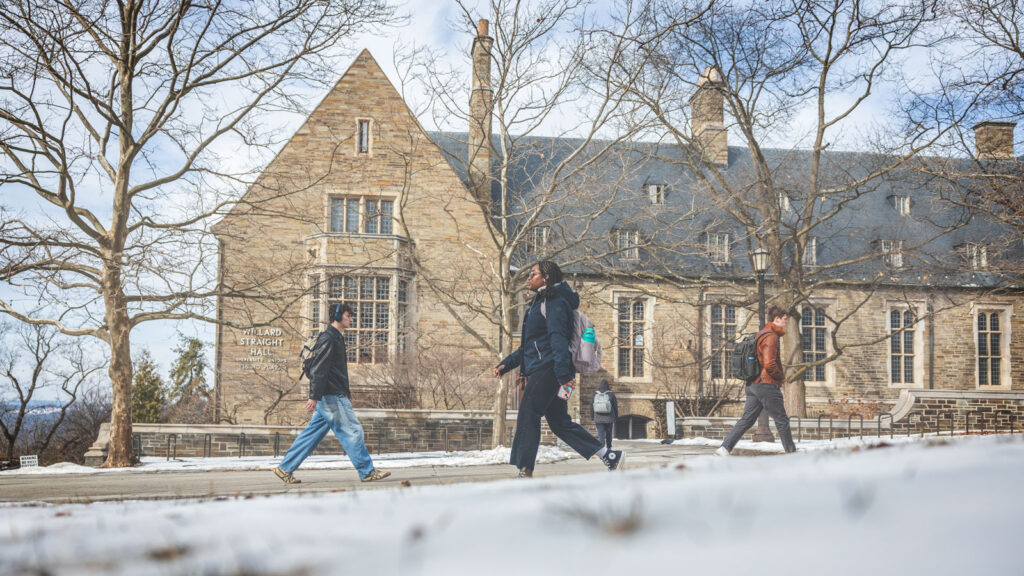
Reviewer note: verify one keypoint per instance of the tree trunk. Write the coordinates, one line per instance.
(795, 393)
(501, 394)
(119, 452)
(500, 408)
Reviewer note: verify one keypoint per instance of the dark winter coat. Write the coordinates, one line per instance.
(329, 372)
(611, 417)
(545, 340)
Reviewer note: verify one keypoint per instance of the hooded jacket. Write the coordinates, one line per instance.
(769, 355)
(611, 417)
(545, 337)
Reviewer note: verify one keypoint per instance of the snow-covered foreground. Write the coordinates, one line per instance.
(931, 508)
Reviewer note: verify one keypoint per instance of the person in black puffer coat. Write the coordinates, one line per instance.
(543, 358)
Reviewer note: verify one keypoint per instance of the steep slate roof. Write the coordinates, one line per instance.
(931, 256)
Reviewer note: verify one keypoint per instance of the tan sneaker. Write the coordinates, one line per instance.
(375, 475)
(286, 477)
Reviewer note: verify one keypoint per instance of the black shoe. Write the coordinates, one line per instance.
(613, 459)
(525, 473)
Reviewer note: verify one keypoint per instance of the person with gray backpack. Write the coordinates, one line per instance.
(605, 411)
(546, 360)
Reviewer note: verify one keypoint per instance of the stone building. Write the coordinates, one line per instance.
(364, 206)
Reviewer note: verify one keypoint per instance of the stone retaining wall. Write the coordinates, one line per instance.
(389, 431)
(386, 431)
(916, 411)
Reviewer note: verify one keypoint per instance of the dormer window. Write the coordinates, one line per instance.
(811, 252)
(784, 205)
(656, 192)
(537, 239)
(892, 253)
(627, 243)
(363, 137)
(902, 205)
(977, 255)
(718, 247)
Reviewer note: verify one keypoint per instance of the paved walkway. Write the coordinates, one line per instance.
(196, 484)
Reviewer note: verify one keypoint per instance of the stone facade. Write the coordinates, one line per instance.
(289, 249)
(677, 340)
(281, 247)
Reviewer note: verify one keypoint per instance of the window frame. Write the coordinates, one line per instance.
(400, 330)
(718, 244)
(1005, 314)
(977, 256)
(826, 370)
(784, 203)
(901, 203)
(810, 255)
(363, 214)
(656, 194)
(646, 333)
(746, 323)
(917, 333)
(538, 239)
(631, 250)
(364, 146)
(892, 253)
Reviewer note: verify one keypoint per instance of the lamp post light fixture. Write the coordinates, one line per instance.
(759, 260)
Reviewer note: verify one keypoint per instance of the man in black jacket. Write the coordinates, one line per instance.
(331, 407)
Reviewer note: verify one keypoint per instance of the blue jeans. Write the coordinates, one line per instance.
(332, 413)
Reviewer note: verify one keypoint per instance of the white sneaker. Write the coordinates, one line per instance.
(721, 451)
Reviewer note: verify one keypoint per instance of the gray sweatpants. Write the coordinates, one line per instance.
(767, 397)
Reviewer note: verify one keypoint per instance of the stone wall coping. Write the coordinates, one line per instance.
(908, 397)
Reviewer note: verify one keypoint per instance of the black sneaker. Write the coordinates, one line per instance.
(525, 473)
(613, 458)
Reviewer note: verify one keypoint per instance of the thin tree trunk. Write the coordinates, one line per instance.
(501, 394)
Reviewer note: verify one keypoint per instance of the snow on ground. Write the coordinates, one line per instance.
(933, 507)
(545, 455)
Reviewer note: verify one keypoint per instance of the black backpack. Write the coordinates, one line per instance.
(745, 364)
(307, 355)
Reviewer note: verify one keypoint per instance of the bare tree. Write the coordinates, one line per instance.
(37, 360)
(123, 120)
(753, 70)
(981, 80)
(534, 70)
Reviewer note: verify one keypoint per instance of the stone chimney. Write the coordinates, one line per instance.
(994, 140)
(480, 109)
(707, 107)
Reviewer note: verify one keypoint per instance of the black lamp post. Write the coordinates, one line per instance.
(759, 259)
